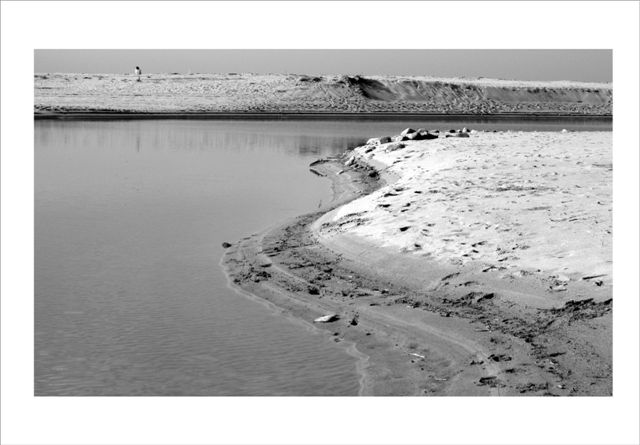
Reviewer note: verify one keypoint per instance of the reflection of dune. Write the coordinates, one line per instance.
(149, 135)
(296, 94)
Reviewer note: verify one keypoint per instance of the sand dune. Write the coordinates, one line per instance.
(321, 94)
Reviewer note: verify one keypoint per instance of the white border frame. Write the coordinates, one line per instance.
(38, 25)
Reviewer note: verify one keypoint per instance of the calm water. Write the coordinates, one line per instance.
(129, 218)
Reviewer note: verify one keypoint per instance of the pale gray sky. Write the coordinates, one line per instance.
(579, 65)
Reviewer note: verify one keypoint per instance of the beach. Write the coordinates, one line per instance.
(171, 93)
(476, 265)
(450, 261)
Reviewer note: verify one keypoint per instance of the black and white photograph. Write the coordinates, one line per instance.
(411, 235)
(252, 228)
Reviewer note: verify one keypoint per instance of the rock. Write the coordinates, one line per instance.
(485, 297)
(226, 245)
(412, 136)
(350, 161)
(399, 138)
(564, 130)
(424, 135)
(407, 131)
(457, 135)
(314, 290)
(354, 320)
(327, 318)
(261, 276)
(491, 381)
(264, 263)
(310, 79)
(380, 140)
(499, 358)
(395, 146)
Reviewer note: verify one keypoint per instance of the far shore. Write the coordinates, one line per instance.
(375, 116)
(218, 94)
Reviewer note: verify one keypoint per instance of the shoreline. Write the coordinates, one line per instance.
(417, 343)
(349, 347)
(497, 117)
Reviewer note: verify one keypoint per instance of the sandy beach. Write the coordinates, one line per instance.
(65, 93)
(450, 262)
(477, 264)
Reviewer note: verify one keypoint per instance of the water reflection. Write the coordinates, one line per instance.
(129, 297)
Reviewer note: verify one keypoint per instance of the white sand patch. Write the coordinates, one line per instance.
(532, 201)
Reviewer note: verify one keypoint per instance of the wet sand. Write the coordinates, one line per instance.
(435, 308)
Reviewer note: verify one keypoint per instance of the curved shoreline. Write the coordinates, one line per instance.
(397, 361)
(349, 347)
(439, 349)
(289, 307)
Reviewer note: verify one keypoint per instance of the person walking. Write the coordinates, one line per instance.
(138, 72)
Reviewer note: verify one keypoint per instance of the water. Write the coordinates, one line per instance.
(129, 221)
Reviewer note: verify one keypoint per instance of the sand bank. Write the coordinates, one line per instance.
(292, 93)
(458, 266)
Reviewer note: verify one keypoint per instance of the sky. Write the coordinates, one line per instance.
(577, 65)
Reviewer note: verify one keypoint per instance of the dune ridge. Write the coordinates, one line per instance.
(293, 93)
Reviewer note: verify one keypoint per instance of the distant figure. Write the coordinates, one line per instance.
(138, 72)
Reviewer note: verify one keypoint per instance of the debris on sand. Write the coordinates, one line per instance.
(499, 357)
(378, 141)
(395, 146)
(457, 134)
(491, 381)
(327, 318)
